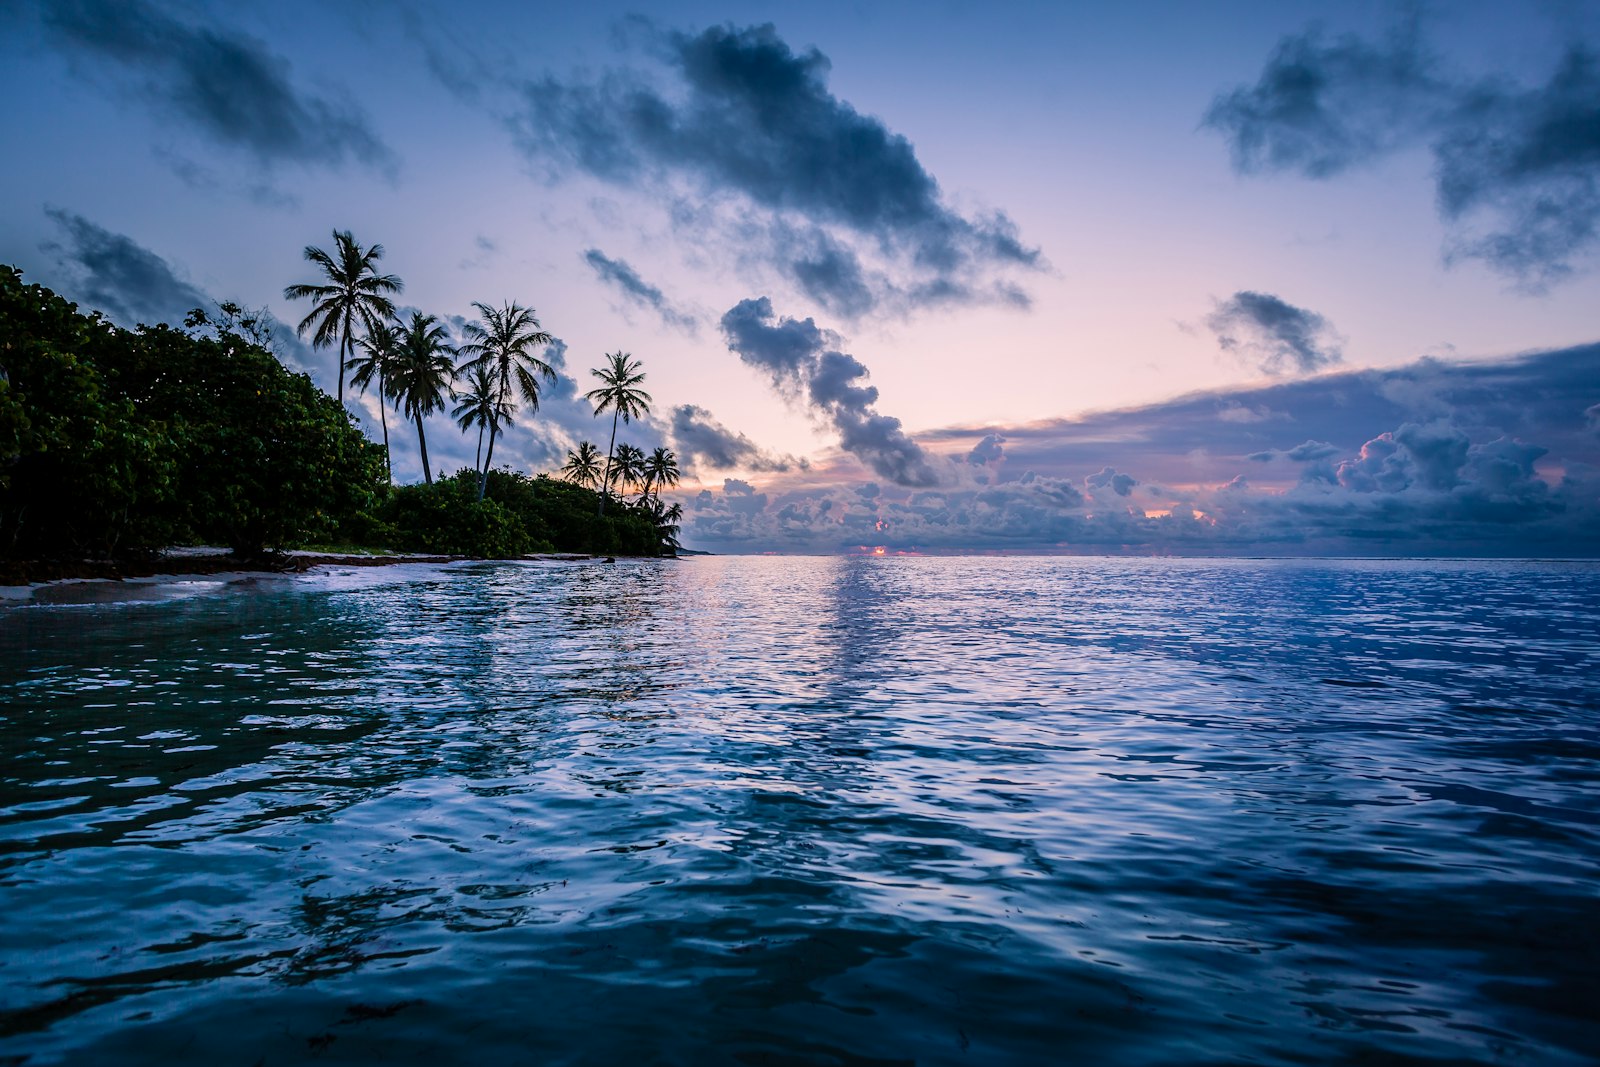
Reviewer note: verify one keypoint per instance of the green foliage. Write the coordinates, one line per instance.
(447, 517)
(115, 442)
(517, 515)
(75, 459)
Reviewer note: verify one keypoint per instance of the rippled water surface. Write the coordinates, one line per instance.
(807, 811)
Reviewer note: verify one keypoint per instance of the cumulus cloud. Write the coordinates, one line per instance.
(1517, 168)
(702, 441)
(1274, 335)
(804, 363)
(1107, 478)
(830, 197)
(989, 450)
(224, 85)
(113, 273)
(619, 274)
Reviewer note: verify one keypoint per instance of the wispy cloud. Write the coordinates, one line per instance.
(703, 442)
(621, 275)
(224, 85)
(113, 273)
(1274, 335)
(804, 363)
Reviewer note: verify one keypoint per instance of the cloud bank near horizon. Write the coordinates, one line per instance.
(1497, 458)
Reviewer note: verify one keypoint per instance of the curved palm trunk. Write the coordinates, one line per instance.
(483, 479)
(477, 459)
(383, 419)
(494, 427)
(422, 440)
(344, 344)
(606, 481)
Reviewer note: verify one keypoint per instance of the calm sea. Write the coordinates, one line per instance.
(807, 811)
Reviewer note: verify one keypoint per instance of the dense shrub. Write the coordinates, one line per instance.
(447, 517)
(114, 442)
(517, 515)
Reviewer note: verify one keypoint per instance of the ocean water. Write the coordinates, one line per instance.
(807, 811)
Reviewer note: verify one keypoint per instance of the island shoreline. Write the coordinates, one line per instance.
(187, 564)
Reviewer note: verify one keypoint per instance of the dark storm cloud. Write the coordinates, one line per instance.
(702, 441)
(1274, 335)
(112, 273)
(804, 363)
(224, 84)
(1530, 161)
(620, 274)
(1322, 107)
(1517, 169)
(748, 117)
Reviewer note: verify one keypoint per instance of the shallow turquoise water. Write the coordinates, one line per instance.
(808, 811)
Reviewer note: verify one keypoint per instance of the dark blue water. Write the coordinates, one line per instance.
(807, 811)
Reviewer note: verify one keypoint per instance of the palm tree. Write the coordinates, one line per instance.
(628, 467)
(380, 345)
(422, 374)
(504, 342)
(354, 291)
(619, 391)
(661, 469)
(583, 466)
(667, 522)
(481, 405)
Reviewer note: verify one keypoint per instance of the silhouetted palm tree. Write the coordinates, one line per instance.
(660, 469)
(481, 405)
(379, 346)
(423, 372)
(619, 391)
(667, 523)
(504, 342)
(628, 467)
(583, 466)
(354, 292)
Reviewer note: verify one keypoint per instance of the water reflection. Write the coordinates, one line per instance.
(809, 811)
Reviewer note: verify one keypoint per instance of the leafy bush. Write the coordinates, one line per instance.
(446, 517)
(115, 442)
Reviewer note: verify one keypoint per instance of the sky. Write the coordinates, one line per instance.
(1242, 278)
